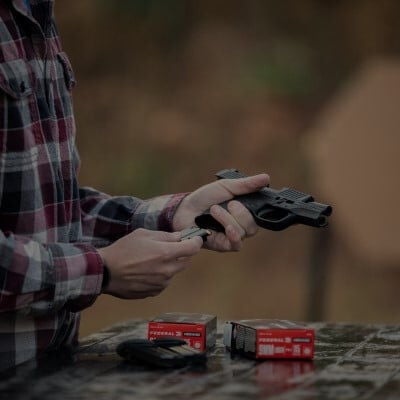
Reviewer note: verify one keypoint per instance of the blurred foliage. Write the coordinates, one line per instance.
(285, 71)
(170, 12)
(326, 39)
(169, 92)
(159, 74)
(165, 19)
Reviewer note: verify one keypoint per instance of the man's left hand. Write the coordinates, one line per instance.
(237, 220)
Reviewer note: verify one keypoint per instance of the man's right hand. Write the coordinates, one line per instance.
(142, 263)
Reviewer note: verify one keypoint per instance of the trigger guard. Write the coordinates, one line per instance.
(276, 224)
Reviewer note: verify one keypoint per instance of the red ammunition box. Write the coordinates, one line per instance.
(269, 338)
(199, 330)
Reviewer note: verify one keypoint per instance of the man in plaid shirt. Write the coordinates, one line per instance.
(58, 242)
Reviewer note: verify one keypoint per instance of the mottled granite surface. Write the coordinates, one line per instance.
(351, 362)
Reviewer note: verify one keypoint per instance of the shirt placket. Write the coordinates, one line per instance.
(39, 31)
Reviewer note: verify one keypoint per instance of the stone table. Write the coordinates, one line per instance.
(351, 362)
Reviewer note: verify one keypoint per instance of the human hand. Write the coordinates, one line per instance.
(142, 263)
(237, 221)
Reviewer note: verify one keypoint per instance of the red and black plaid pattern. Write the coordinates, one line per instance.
(49, 227)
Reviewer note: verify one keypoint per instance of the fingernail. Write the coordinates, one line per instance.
(232, 231)
(200, 240)
(215, 209)
(235, 204)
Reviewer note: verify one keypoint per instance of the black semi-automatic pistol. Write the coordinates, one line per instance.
(272, 209)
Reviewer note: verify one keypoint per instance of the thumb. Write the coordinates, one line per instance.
(245, 185)
(162, 236)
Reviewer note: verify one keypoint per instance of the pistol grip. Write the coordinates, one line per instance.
(206, 221)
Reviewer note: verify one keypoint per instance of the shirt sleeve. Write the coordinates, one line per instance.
(38, 279)
(106, 218)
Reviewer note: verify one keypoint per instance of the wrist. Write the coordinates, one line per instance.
(183, 215)
(106, 272)
(106, 278)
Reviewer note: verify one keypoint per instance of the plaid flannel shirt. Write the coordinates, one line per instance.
(49, 226)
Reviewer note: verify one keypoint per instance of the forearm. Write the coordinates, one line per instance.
(106, 218)
(157, 213)
(40, 279)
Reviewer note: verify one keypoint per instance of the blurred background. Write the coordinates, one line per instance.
(169, 92)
